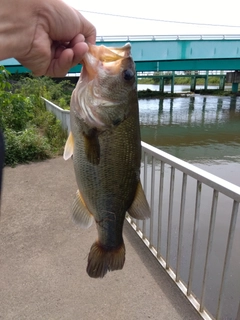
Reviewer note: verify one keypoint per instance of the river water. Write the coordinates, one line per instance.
(205, 131)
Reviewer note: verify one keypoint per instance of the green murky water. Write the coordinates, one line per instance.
(202, 130)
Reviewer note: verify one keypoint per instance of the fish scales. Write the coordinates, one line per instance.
(109, 188)
(106, 160)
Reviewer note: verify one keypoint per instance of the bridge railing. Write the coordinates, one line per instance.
(169, 37)
(192, 231)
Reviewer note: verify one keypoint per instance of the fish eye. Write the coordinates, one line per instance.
(128, 74)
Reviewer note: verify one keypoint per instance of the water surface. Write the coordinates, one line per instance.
(202, 130)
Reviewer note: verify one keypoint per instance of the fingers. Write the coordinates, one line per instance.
(77, 39)
(65, 59)
(79, 51)
(60, 41)
(69, 55)
(60, 66)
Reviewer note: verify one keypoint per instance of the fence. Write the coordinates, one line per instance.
(61, 114)
(194, 229)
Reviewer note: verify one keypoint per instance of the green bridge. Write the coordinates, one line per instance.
(171, 53)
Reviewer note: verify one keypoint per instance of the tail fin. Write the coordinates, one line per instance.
(102, 260)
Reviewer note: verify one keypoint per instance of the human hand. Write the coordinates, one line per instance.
(52, 37)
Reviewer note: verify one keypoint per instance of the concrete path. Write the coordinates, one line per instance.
(43, 257)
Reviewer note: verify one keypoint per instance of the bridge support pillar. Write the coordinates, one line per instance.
(222, 82)
(234, 78)
(172, 82)
(161, 84)
(234, 87)
(206, 81)
(193, 83)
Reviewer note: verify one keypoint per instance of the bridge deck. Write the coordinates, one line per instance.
(44, 256)
(159, 53)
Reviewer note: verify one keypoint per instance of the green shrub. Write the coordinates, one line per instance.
(52, 129)
(35, 88)
(31, 132)
(25, 146)
(15, 111)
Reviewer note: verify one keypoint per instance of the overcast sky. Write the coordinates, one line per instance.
(203, 11)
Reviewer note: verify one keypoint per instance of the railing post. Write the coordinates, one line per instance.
(169, 232)
(209, 246)
(152, 199)
(145, 157)
(194, 237)
(227, 258)
(180, 230)
(160, 206)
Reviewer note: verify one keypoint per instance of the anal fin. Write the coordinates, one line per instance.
(140, 208)
(80, 212)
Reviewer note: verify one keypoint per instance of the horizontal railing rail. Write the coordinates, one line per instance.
(169, 37)
(169, 232)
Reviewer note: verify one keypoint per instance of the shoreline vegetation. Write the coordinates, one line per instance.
(152, 94)
(186, 80)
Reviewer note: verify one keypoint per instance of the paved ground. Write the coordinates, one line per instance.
(43, 257)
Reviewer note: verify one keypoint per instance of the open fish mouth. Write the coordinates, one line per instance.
(108, 58)
(110, 54)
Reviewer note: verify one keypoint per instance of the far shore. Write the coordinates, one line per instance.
(148, 94)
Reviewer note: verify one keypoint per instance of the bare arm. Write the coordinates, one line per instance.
(46, 36)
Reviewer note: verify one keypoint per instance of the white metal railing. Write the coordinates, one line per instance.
(178, 228)
(169, 37)
(61, 114)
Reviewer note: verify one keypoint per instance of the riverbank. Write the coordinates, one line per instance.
(178, 80)
(148, 93)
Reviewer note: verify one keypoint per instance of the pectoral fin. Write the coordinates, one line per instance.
(68, 150)
(139, 208)
(80, 212)
(92, 147)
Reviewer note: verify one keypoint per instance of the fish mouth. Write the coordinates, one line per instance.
(107, 58)
(110, 54)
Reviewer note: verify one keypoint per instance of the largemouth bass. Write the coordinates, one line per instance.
(106, 148)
